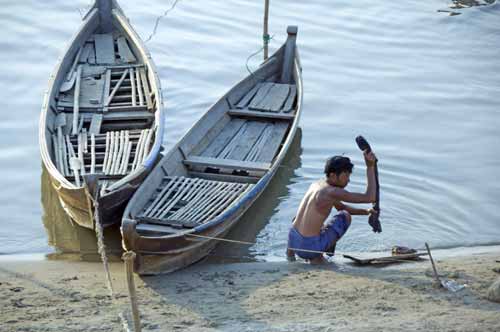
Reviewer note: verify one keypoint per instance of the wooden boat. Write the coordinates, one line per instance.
(208, 180)
(102, 121)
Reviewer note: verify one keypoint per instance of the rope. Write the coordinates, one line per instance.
(101, 248)
(253, 243)
(158, 19)
(267, 40)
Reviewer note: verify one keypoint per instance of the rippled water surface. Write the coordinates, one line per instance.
(422, 86)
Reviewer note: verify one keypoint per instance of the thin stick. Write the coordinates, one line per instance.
(125, 151)
(92, 154)
(146, 88)
(132, 83)
(138, 150)
(85, 141)
(139, 88)
(127, 157)
(121, 144)
(64, 151)
(146, 145)
(106, 153)
(80, 151)
(115, 152)
(436, 275)
(55, 148)
(129, 258)
(111, 151)
(76, 100)
(134, 162)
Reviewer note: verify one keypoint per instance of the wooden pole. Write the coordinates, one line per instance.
(265, 35)
(436, 275)
(129, 258)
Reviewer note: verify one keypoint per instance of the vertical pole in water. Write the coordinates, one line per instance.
(265, 35)
(129, 258)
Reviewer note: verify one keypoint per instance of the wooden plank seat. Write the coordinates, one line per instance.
(227, 163)
(187, 202)
(258, 114)
(269, 97)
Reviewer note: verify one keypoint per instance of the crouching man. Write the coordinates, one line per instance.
(310, 234)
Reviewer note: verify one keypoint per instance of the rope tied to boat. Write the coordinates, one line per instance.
(158, 19)
(101, 248)
(267, 39)
(254, 243)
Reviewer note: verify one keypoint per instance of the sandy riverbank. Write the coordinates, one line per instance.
(72, 296)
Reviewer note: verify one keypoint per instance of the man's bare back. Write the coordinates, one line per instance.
(313, 210)
(323, 195)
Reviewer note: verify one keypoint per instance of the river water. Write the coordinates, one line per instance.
(422, 86)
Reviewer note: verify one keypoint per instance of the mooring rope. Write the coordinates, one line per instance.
(158, 19)
(101, 248)
(267, 40)
(254, 243)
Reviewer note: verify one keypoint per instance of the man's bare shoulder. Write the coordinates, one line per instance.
(330, 193)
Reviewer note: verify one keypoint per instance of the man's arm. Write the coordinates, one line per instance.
(352, 210)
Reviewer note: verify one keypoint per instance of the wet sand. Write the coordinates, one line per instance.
(72, 296)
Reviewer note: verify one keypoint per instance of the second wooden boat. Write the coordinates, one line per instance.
(101, 124)
(202, 187)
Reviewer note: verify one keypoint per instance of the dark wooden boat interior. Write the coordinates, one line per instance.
(224, 155)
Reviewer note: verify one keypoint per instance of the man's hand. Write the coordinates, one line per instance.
(370, 212)
(370, 158)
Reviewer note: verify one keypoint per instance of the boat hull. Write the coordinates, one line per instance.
(161, 248)
(76, 201)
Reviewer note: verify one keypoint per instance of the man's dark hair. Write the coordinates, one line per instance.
(337, 165)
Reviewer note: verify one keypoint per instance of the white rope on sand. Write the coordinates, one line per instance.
(101, 247)
(253, 243)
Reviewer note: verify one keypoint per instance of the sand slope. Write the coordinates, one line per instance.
(71, 296)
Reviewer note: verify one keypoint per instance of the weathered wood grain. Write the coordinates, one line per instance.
(273, 143)
(261, 94)
(104, 48)
(223, 138)
(247, 140)
(124, 50)
(288, 106)
(275, 98)
(227, 163)
(145, 85)
(248, 97)
(246, 113)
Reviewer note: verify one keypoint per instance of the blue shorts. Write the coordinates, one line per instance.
(333, 230)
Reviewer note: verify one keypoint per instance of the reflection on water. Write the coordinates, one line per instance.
(69, 239)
